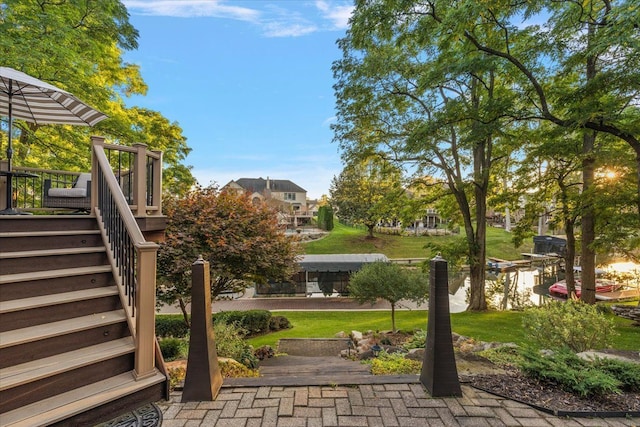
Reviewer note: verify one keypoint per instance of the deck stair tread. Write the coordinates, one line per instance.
(55, 299)
(52, 252)
(76, 324)
(47, 233)
(14, 376)
(68, 404)
(52, 274)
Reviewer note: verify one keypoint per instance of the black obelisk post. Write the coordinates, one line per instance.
(203, 379)
(439, 373)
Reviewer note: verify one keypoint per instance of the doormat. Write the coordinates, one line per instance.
(148, 415)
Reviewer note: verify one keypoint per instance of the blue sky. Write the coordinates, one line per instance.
(249, 82)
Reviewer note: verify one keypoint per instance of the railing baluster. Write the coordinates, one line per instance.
(128, 246)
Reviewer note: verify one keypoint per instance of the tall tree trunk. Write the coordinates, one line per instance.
(185, 315)
(393, 317)
(477, 249)
(569, 230)
(569, 258)
(588, 256)
(370, 231)
(478, 300)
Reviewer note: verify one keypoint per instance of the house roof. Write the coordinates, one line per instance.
(338, 262)
(259, 185)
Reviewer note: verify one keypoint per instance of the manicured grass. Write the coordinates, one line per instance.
(350, 240)
(325, 324)
(499, 326)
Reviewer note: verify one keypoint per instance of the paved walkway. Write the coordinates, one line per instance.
(364, 405)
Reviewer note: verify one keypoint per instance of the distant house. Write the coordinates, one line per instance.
(289, 198)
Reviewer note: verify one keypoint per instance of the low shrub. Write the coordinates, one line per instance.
(572, 373)
(264, 352)
(176, 376)
(393, 364)
(230, 343)
(628, 373)
(503, 355)
(173, 348)
(233, 369)
(277, 323)
(171, 325)
(572, 324)
(253, 322)
(417, 340)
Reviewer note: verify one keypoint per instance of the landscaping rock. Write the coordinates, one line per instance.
(415, 354)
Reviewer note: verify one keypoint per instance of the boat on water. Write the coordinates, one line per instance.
(559, 289)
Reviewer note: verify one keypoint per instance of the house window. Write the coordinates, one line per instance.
(289, 196)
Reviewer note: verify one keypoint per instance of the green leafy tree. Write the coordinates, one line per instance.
(240, 239)
(548, 178)
(325, 218)
(390, 282)
(366, 192)
(579, 71)
(78, 46)
(399, 97)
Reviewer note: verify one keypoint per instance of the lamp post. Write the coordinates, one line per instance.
(376, 349)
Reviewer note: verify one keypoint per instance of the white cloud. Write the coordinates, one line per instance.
(338, 14)
(275, 19)
(192, 8)
(288, 29)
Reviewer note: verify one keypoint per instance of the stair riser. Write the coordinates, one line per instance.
(118, 407)
(53, 313)
(34, 288)
(53, 262)
(47, 223)
(27, 352)
(30, 243)
(32, 392)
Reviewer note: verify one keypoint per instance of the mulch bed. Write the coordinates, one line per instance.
(553, 399)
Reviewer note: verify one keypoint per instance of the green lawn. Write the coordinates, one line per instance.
(499, 326)
(350, 240)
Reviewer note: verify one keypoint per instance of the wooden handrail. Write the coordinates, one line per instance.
(133, 259)
(133, 149)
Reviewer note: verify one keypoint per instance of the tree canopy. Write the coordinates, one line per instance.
(240, 239)
(78, 45)
(366, 192)
(463, 91)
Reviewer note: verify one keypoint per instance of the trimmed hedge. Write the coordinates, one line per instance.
(173, 348)
(253, 322)
(171, 325)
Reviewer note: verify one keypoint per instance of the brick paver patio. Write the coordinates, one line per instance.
(365, 406)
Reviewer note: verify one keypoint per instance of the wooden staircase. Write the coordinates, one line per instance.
(66, 348)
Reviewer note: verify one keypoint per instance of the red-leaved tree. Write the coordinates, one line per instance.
(240, 239)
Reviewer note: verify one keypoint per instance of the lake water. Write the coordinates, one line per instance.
(528, 286)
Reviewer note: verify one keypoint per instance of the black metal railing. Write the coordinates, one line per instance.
(121, 245)
(132, 258)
